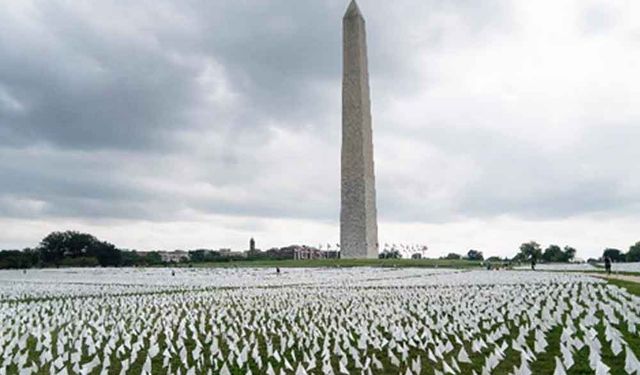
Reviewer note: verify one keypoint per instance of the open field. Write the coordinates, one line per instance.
(316, 321)
(570, 267)
(427, 263)
(631, 287)
(632, 269)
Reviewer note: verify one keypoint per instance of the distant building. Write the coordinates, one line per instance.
(238, 254)
(227, 253)
(305, 253)
(297, 252)
(252, 245)
(224, 252)
(332, 254)
(281, 253)
(176, 256)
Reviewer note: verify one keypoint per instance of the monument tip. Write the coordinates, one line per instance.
(353, 10)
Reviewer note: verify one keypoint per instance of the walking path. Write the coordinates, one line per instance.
(631, 278)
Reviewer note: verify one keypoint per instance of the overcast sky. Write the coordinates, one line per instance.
(167, 124)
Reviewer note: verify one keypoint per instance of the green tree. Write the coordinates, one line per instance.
(553, 253)
(475, 255)
(453, 256)
(59, 246)
(80, 244)
(614, 254)
(107, 254)
(198, 256)
(152, 258)
(14, 259)
(634, 253)
(390, 254)
(528, 251)
(53, 247)
(130, 258)
(569, 253)
(83, 261)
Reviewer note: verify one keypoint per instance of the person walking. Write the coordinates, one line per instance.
(533, 263)
(607, 265)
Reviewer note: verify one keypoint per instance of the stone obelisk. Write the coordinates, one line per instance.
(358, 217)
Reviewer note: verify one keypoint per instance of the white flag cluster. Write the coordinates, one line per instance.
(357, 321)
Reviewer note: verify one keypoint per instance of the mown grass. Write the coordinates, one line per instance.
(545, 363)
(631, 287)
(391, 263)
(600, 272)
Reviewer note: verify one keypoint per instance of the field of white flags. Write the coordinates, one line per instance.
(625, 267)
(560, 267)
(315, 321)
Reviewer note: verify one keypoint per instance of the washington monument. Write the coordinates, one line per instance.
(358, 217)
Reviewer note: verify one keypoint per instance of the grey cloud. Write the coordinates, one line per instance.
(86, 84)
(83, 90)
(511, 177)
(113, 97)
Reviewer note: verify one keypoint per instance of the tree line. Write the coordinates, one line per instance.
(633, 255)
(552, 254)
(75, 249)
(529, 251)
(473, 255)
(532, 250)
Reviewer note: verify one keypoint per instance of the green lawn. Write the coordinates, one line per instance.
(633, 288)
(182, 307)
(426, 263)
(597, 272)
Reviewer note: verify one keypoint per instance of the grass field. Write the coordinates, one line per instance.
(424, 263)
(381, 319)
(631, 287)
(603, 272)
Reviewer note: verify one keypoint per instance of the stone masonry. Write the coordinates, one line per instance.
(358, 217)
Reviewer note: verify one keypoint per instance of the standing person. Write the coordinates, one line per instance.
(533, 263)
(278, 270)
(607, 265)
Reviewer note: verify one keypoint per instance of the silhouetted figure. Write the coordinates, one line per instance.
(607, 265)
(533, 264)
(173, 273)
(278, 270)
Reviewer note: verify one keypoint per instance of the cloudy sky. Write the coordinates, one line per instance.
(190, 123)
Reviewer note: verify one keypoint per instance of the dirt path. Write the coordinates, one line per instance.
(633, 279)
